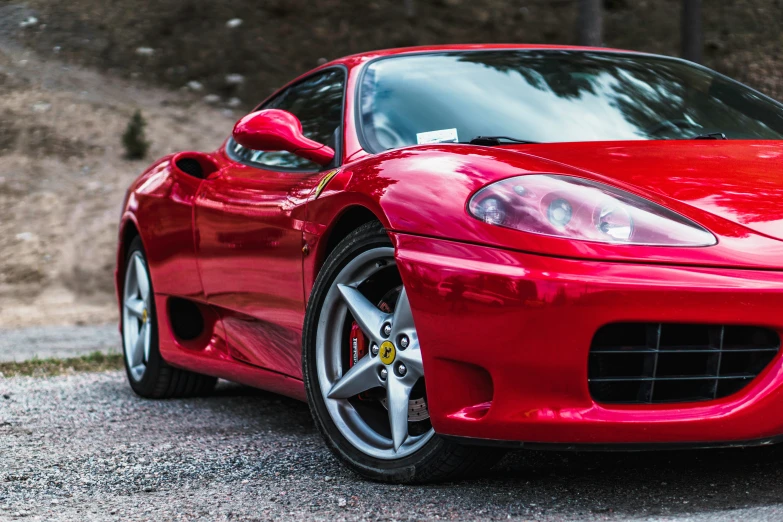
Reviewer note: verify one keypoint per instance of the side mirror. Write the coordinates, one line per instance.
(275, 130)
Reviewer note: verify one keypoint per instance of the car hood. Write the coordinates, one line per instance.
(741, 181)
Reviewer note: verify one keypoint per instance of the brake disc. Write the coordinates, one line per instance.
(417, 409)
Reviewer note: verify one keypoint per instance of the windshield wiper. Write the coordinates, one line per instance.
(711, 136)
(491, 141)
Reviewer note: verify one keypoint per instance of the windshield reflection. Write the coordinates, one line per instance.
(556, 96)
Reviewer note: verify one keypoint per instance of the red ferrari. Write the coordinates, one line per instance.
(453, 250)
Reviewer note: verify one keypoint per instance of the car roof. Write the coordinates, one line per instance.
(357, 58)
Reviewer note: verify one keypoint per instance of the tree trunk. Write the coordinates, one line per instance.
(410, 8)
(690, 27)
(590, 23)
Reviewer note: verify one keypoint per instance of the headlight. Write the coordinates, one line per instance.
(574, 208)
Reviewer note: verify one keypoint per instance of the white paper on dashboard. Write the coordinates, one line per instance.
(438, 136)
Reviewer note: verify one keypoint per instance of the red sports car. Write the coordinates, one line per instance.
(452, 250)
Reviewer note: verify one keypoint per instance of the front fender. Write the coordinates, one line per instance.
(417, 190)
(424, 191)
(421, 190)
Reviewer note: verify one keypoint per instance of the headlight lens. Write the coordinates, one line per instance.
(575, 208)
(491, 211)
(615, 221)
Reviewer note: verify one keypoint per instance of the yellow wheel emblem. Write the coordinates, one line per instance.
(144, 316)
(387, 352)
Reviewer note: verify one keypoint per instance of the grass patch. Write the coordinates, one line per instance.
(94, 362)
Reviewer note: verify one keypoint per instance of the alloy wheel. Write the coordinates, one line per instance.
(136, 316)
(372, 401)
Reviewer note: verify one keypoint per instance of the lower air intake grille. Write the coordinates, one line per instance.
(648, 363)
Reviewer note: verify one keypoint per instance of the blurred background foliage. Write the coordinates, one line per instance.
(237, 52)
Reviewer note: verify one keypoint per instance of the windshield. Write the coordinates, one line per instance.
(554, 96)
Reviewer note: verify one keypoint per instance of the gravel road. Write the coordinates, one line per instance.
(43, 342)
(83, 447)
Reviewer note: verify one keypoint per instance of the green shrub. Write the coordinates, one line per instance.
(133, 139)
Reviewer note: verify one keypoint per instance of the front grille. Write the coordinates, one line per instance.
(648, 363)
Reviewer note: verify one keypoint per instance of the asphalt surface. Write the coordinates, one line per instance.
(83, 447)
(60, 342)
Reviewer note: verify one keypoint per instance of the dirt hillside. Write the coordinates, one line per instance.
(62, 179)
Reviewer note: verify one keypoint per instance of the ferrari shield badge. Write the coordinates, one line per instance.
(387, 352)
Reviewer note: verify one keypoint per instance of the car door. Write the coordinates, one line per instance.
(248, 222)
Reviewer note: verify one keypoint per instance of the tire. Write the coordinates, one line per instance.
(435, 458)
(157, 380)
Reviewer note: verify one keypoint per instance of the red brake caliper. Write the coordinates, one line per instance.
(358, 344)
(358, 348)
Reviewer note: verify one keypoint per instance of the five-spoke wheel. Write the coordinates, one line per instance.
(363, 369)
(390, 370)
(136, 317)
(148, 373)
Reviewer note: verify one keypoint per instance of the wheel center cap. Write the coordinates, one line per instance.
(387, 352)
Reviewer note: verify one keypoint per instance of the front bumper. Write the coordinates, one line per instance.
(505, 338)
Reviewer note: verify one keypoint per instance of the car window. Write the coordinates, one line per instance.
(318, 103)
(554, 96)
